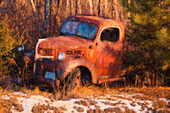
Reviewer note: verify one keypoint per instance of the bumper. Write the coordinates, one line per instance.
(44, 65)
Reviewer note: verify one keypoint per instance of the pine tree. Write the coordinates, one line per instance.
(149, 33)
(8, 44)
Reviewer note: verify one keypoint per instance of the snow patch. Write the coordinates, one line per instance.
(103, 102)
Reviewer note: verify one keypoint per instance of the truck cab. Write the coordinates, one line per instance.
(89, 48)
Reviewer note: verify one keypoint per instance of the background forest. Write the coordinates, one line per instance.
(146, 46)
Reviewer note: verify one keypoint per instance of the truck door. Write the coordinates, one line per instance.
(108, 53)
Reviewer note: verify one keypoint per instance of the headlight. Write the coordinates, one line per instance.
(61, 56)
(21, 48)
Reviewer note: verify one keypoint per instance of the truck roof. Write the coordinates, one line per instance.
(101, 21)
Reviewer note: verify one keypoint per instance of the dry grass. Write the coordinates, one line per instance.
(92, 90)
(5, 91)
(36, 91)
(150, 93)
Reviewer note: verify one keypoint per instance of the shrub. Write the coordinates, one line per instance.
(8, 45)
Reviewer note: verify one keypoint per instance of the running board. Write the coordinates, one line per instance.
(103, 80)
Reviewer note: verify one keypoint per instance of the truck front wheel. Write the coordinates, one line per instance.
(73, 80)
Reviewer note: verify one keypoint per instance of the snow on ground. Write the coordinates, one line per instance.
(107, 103)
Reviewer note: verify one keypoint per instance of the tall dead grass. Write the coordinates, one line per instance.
(4, 91)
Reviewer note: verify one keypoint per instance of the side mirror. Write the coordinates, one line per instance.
(21, 48)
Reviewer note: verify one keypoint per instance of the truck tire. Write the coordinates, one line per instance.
(73, 80)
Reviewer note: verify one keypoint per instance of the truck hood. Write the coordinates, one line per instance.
(64, 42)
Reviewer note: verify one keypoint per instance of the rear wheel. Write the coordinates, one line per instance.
(73, 80)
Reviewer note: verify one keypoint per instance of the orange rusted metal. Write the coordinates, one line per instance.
(89, 41)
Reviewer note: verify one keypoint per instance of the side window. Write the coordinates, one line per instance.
(110, 34)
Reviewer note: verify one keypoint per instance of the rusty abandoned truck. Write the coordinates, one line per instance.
(88, 49)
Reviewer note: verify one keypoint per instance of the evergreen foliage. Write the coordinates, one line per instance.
(8, 44)
(149, 34)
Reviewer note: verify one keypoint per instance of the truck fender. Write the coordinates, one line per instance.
(67, 66)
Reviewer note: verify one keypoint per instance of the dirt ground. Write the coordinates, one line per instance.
(87, 100)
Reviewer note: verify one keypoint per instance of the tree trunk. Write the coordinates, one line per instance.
(79, 11)
(99, 8)
(75, 6)
(105, 9)
(91, 6)
(117, 16)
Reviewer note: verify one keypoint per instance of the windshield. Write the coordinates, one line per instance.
(80, 29)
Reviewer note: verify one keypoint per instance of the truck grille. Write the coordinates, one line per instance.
(45, 52)
(75, 52)
(69, 52)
